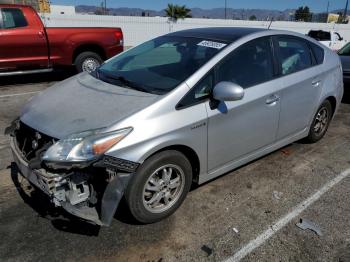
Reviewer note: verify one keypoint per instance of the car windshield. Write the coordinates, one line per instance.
(159, 65)
(345, 50)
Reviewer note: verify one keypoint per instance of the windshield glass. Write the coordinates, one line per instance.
(159, 65)
(345, 50)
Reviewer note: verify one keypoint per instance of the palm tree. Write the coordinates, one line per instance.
(175, 12)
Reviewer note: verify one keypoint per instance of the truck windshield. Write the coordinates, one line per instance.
(159, 65)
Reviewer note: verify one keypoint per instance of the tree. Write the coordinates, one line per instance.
(175, 12)
(252, 18)
(303, 14)
(101, 10)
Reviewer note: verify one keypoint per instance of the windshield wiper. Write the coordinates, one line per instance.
(127, 83)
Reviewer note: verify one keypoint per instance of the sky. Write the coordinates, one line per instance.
(315, 5)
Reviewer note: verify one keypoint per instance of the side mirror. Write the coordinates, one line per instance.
(228, 91)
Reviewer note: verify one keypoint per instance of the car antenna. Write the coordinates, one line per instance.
(270, 23)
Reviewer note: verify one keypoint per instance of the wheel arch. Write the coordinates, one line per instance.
(89, 48)
(333, 102)
(189, 153)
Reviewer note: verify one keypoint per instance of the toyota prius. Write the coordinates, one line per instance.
(180, 109)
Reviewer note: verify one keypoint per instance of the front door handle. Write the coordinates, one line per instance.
(316, 83)
(272, 99)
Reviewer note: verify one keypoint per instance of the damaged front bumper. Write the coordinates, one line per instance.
(91, 197)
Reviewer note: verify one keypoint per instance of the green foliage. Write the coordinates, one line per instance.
(252, 18)
(303, 14)
(175, 12)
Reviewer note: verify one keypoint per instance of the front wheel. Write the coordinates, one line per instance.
(87, 62)
(320, 122)
(159, 186)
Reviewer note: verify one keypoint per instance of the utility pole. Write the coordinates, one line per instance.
(327, 7)
(225, 9)
(345, 14)
(105, 7)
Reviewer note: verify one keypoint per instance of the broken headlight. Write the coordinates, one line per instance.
(84, 146)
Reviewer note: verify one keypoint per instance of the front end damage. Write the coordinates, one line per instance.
(91, 190)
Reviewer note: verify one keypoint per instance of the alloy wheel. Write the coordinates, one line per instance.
(163, 188)
(321, 121)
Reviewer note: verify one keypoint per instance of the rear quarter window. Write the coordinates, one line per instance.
(318, 53)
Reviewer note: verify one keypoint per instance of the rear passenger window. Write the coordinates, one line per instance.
(250, 64)
(318, 53)
(13, 18)
(294, 55)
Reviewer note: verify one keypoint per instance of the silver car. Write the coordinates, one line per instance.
(180, 109)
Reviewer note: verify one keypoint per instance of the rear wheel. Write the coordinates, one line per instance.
(320, 123)
(87, 62)
(159, 186)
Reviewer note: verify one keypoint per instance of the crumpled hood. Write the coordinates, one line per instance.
(82, 103)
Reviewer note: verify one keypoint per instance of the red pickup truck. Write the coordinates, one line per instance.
(26, 46)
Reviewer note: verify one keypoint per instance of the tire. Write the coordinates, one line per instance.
(324, 116)
(87, 61)
(151, 174)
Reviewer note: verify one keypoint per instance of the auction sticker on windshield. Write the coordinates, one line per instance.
(212, 44)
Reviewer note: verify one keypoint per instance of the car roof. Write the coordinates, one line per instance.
(227, 34)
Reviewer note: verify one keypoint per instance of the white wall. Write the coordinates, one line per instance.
(139, 29)
(62, 10)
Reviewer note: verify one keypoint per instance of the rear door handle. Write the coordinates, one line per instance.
(316, 83)
(272, 99)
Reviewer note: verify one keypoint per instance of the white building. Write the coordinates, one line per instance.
(62, 10)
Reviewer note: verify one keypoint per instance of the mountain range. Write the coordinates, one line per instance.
(215, 13)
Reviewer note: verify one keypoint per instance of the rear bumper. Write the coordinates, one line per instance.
(114, 50)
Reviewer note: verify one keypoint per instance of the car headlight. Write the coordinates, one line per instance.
(84, 146)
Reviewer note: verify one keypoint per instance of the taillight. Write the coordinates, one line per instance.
(119, 36)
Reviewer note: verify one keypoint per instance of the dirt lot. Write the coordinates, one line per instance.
(249, 213)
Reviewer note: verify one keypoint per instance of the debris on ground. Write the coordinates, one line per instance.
(305, 224)
(286, 152)
(207, 250)
(277, 195)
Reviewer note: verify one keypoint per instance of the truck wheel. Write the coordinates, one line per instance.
(320, 123)
(159, 186)
(87, 62)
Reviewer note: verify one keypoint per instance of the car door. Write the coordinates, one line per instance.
(21, 45)
(239, 128)
(302, 81)
(344, 54)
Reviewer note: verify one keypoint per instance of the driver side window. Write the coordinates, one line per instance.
(248, 65)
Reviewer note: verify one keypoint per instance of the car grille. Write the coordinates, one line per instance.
(31, 142)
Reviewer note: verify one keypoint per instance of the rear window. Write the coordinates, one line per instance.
(13, 18)
(320, 35)
(318, 53)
